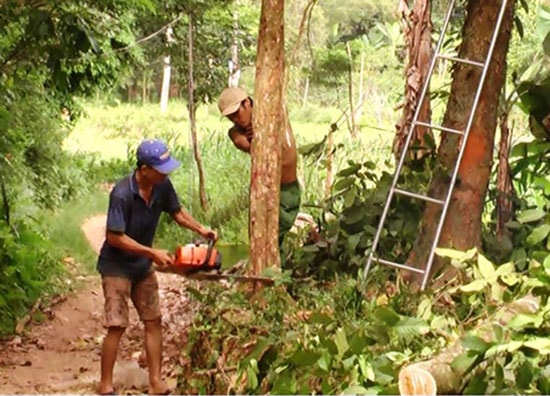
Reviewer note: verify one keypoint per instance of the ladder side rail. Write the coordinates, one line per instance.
(409, 135)
(464, 141)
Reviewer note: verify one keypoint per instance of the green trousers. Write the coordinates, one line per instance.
(289, 206)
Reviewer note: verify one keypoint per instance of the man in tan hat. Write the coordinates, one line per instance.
(235, 104)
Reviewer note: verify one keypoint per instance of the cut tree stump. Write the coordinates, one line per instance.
(436, 376)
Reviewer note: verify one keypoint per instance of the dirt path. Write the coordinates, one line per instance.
(62, 354)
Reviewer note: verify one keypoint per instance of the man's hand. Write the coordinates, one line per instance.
(209, 234)
(161, 257)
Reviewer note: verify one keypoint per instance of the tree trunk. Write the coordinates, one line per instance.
(360, 97)
(436, 374)
(306, 91)
(417, 31)
(330, 159)
(505, 188)
(462, 226)
(268, 123)
(192, 119)
(234, 66)
(164, 93)
(144, 89)
(353, 126)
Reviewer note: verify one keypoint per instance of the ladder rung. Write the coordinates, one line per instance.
(397, 265)
(440, 127)
(462, 60)
(418, 196)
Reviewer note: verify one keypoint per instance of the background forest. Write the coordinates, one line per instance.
(81, 85)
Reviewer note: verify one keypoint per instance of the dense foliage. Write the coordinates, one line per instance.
(324, 328)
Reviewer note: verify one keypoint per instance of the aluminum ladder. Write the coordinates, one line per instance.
(425, 272)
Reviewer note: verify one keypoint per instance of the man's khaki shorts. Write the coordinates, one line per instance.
(144, 295)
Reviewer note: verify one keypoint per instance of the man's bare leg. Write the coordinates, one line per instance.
(109, 351)
(153, 348)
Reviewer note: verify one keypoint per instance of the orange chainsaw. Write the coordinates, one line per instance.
(202, 261)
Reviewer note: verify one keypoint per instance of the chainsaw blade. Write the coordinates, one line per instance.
(214, 275)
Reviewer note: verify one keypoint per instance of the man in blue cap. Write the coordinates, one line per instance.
(125, 260)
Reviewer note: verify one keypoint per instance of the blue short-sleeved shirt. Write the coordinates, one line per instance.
(128, 213)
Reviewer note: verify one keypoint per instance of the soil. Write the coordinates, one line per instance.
(62, 353)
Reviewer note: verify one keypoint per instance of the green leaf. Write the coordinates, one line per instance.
(540, 344)
(358, 342)
(543, 22)
(475, 286)
(344, 183)
(352, 170)
(486, 268)
(543, 385)
(354, 215)
(285, 383)
(324, 361)
(519, 26)
(506, 269)
(475, 344)
(341, 342)
(355, 390)
(304, 358)
(251, 375)
(524, 375)
(462, 363)
(477, 385)
(387, 315)
(366, 368)
(538, 234)
(499, 377)
(456, 254)
(514, 346)
(320, 318)
(530, 215)
(546, 264)
(349, 197)
(409, 327)
(521, 321)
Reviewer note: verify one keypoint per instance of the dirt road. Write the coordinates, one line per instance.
(61, 355)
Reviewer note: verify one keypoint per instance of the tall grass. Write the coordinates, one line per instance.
(112, 132)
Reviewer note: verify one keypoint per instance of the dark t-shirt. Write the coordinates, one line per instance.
(128, 213)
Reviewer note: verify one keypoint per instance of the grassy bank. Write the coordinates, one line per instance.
(63, 228)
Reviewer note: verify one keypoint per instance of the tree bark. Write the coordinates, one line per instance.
(462, 226)
(505, 188)
(420, 378)
(165, 90)
(417, 31)
(234, 68)
(192, 119)
(353, 127)
(268, 123)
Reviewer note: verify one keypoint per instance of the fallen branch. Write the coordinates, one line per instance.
(21, 323)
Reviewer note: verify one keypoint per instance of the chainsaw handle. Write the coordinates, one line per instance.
(211, 243)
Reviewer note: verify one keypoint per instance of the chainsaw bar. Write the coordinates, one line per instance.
(214, 275)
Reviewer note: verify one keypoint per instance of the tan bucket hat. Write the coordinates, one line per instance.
(230, 100)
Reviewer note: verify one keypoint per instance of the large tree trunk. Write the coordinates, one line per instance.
(436, 375)
(417, 31)
(192, 119)
(268, 123)
(462, 226)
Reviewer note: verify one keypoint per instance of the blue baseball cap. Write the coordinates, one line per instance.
(154, 153)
